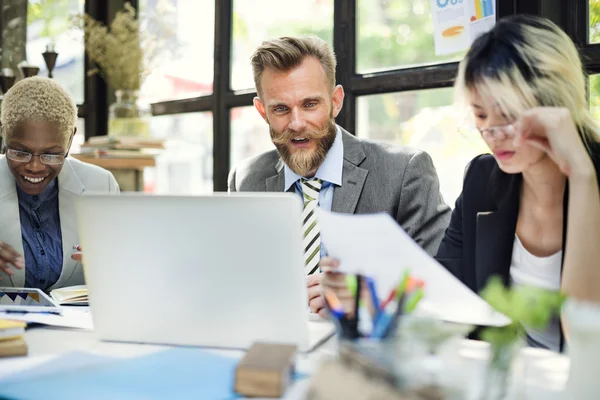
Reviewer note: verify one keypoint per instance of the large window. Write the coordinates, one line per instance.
(395, 34)
(594, 20)
(185, 166)
(182, 64)
(50, 27)
(423, 119)
(201, 86)
(258, 20)
(249, 134)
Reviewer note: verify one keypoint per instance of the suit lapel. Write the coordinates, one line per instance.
(10, 222)
(276, 183)
(496, 228)
(345, 197)
(69, 187)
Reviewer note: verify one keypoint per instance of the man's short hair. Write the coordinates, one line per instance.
(38, 99)
(286, 53)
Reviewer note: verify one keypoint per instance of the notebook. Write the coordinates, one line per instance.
(11, 329)
(71, 296)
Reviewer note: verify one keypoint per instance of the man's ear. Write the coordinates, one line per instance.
(260, 107)
(337, 100)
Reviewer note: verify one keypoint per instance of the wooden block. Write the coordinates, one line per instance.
(13, 348)
(266, 370)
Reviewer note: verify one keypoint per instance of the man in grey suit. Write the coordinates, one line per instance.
(327, 166)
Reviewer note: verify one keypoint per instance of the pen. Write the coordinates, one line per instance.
(340, 320)
(334, 304)
(351, 283)
(414, 298)
(353, 323)
(30, 312)
(373, 292)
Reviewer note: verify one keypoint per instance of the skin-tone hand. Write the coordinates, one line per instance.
(336, 281)
(551, 129)
(77, 255)
(316, 302)
(10, 259)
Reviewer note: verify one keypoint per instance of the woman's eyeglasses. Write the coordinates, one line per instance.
(25, 157)
(498, 132)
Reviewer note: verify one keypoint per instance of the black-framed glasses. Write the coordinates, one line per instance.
(25, 157)
(47, 159)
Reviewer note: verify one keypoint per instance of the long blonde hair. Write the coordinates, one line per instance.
(525, 62)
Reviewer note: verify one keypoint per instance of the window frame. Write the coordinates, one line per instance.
(97, 95)
(224, 99)
(576, 22)
(94, 109)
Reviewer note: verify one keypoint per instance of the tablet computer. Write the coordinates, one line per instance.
(26, 300)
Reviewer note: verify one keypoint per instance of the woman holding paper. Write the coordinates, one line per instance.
(38, 186)
(530, 211)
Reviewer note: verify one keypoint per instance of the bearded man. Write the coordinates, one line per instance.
(324, 164)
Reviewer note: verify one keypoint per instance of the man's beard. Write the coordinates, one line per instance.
(305, 162)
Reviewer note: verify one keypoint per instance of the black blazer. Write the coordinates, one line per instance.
(478, 243)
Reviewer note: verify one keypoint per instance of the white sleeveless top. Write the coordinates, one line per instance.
(543, 272)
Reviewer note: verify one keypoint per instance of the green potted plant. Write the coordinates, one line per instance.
(524, 306)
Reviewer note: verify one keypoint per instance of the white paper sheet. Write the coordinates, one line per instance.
(375, 246)
(78, 317)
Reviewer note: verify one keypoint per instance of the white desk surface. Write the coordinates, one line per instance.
(542, 377)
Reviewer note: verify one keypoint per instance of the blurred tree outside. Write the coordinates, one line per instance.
(595, 38)
(53, 17)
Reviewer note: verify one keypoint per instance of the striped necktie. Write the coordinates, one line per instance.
(310, 227)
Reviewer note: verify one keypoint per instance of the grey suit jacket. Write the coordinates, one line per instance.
(375, 178)
(75, 178)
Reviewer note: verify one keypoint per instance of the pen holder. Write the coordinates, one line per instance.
(366, 370)
(417, 362)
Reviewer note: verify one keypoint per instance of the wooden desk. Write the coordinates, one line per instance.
(47, 343)
(129, 172)
(542, 376)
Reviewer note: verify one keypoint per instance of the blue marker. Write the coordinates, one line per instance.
(374, 298)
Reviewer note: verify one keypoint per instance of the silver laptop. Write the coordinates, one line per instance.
(217, 271)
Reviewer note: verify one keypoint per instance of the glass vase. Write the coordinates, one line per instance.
(127, 116)
(499, 370)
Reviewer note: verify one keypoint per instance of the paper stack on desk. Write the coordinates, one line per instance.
(71, 296)
(376, 246)
(11, 338)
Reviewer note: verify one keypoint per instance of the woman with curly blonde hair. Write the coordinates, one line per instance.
(38, 186)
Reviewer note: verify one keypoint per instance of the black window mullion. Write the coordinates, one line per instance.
(222, 73)
(197, 104)
(576, 21)
(95, 89)
(435, 76)
(505, 8)
(233, 99)
(344, 43)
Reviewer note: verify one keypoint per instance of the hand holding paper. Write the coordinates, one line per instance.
(375, 246)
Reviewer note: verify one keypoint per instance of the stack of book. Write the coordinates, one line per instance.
(122, 147)
(71, 296)
(12, 343)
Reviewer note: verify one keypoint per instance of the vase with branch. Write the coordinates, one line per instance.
(525, 306)
(123, 53)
